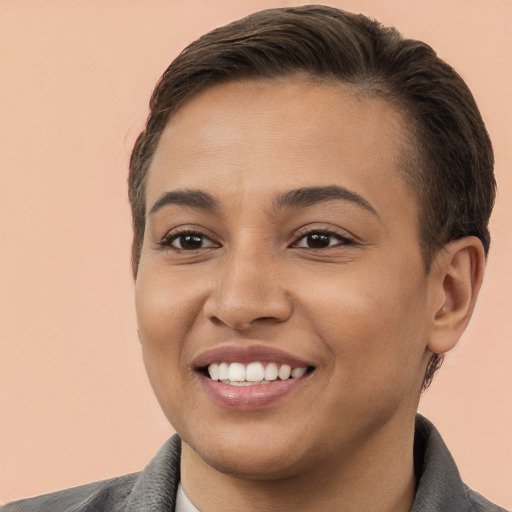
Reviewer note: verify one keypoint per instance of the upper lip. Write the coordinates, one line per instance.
(247, 354)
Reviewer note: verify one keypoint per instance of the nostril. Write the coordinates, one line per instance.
(239, 324)
(217, 322)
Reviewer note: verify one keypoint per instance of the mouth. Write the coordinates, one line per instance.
(254, 373)
(250, 377)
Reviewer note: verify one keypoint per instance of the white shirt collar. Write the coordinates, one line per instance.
(183, 504)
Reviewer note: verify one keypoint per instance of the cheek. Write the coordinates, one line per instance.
(166, 312)
(374, 327)
(166, 308)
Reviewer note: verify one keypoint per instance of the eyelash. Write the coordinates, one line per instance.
(167, 242)
(341, 239)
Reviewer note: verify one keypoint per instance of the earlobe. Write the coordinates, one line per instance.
(459, 269)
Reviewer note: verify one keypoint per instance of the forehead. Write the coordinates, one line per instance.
(265, 136)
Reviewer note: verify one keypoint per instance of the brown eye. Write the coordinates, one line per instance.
(322, 240)
(318, 240)
(190, 242)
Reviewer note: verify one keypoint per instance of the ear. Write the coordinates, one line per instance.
(457, 273)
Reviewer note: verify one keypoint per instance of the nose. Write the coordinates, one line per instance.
(248, 292)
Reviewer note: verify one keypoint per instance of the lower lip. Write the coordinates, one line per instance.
(250, 397)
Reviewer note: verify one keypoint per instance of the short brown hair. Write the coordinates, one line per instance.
(451, 169)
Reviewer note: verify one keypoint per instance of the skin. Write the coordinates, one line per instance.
(361, 310)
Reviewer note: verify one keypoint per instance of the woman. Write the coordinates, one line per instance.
(310, 201)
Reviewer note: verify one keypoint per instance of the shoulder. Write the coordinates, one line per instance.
(97, 496)
(439, 485)
(153, 489)
(481, 504)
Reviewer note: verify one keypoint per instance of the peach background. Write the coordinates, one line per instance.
(76, 76)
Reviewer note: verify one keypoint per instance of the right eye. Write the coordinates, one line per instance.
(188, 241)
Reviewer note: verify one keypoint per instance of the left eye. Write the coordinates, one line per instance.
(321, 240)
(191, 241)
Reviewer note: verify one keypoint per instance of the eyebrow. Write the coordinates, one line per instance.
(188, 197)
(297, 198)
(308, 196)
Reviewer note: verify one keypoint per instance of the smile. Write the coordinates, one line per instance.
(252, 374)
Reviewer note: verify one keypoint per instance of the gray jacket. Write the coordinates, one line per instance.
(440, 488)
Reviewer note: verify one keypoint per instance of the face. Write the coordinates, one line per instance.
(280, 236)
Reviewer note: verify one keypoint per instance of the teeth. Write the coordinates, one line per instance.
(238, 374)
(223, 371)
(298, 372)
(254, 372)
(213, 370)
(285, 371)
(271, 371)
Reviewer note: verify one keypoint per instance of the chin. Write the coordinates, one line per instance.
(249, 465)
(256, 453)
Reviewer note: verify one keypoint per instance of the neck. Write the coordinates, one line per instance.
(377, 477)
